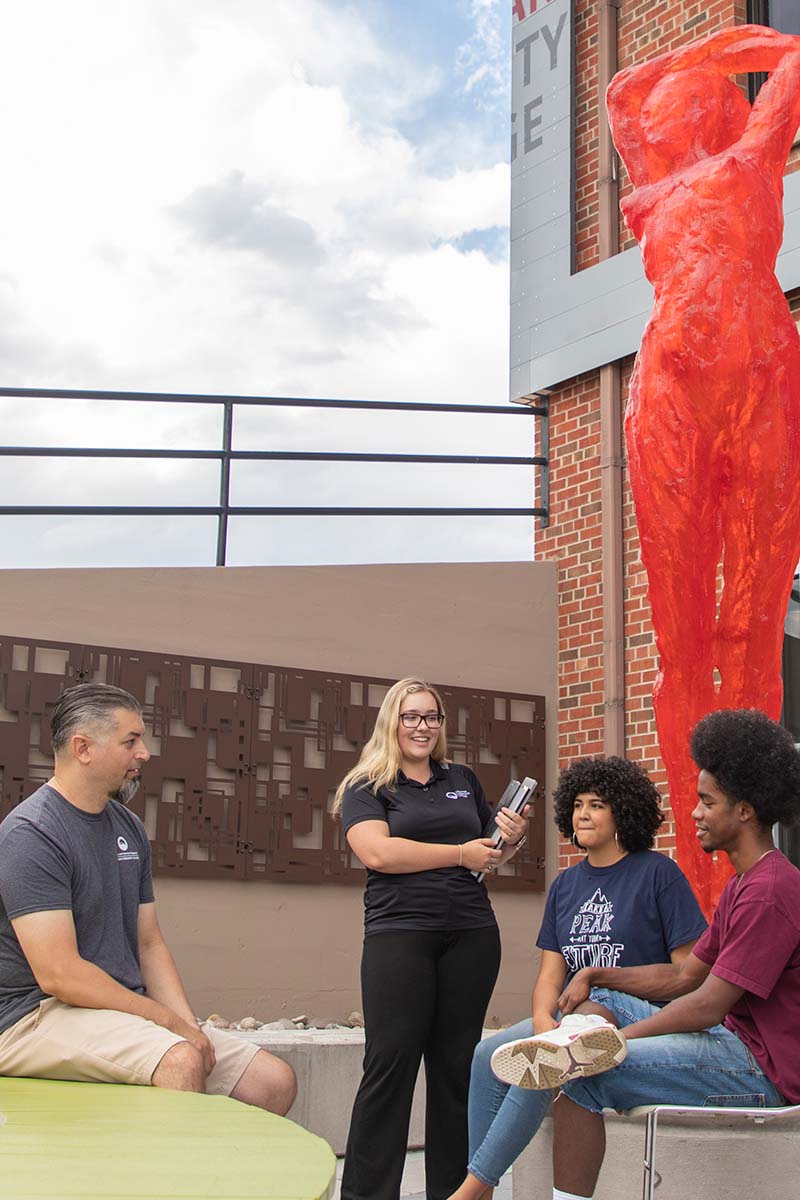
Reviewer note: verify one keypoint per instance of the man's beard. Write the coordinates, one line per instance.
(125, 793)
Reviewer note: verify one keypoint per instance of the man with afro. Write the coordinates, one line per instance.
(731, 1023)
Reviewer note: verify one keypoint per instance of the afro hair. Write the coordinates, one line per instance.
(753, 760)
(624, 785)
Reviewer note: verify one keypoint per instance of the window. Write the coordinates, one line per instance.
(779, 14)
(783, 15)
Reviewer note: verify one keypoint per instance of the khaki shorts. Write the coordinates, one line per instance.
(101, 1045)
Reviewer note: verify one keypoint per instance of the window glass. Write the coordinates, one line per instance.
(783, 15)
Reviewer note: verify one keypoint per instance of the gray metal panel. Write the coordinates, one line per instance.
(549, 271)
(788, 269)
(538, 181)
(605, 345)
(520, 377)
(541, 165)
(554, 131)
(535, 214)
(619, 302)
(540, 244)
(594, 285)
(520, 350)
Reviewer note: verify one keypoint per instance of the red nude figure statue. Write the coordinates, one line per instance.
(713, 422)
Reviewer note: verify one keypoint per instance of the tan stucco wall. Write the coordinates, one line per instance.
(282, 949)
(279, 950)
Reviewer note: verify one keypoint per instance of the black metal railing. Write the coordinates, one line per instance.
(226, 454)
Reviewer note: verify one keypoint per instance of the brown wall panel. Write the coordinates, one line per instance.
(246, 757)
(270, 947)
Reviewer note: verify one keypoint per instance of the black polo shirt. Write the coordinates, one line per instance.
(450, 808)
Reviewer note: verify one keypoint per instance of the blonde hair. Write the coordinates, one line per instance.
(379, 764)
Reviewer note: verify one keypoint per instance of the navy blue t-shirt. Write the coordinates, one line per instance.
(450, 808)
(627, 915)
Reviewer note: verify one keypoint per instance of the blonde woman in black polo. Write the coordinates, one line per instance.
(431, 944)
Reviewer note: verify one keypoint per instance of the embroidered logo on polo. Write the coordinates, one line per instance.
(461, 795)
(590, 936)
(124, 854)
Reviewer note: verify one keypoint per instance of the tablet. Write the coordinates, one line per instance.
(515, 797)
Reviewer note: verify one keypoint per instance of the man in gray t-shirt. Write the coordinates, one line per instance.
(57, 858)
(88, 988)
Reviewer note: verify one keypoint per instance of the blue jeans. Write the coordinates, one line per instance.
(709, 1068)
(713, 1068)
(502, 1118)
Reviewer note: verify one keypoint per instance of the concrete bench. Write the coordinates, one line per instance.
(714, 1159)
(61, 1141)
(328, 1067)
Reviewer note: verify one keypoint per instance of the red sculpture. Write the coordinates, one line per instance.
(713, 421)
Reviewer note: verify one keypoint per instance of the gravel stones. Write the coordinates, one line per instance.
(251, 1024)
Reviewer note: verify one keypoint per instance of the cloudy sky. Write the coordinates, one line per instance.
(267, 197)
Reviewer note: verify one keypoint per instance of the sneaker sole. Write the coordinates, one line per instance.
(537, 1065)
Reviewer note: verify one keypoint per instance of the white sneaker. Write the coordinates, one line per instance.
(581, 1045)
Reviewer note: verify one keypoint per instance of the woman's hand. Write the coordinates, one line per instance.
(576, 991)
(479, 855)
(512, 825)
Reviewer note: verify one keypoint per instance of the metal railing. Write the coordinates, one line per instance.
(225, 455)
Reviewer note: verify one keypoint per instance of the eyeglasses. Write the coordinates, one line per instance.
(411, 720)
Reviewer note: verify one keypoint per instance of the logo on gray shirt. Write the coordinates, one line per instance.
(126, 855)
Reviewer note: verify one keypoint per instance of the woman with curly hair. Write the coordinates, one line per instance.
(622, 905)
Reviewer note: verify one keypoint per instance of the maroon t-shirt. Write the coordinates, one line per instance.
(753, 942)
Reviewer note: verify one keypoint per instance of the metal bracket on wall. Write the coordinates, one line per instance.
(544, 462)
(539, 404)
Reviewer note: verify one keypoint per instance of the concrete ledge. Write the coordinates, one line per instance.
(715, 1157)
(328, 1067)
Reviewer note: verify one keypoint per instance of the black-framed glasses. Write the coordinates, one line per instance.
(413, 720)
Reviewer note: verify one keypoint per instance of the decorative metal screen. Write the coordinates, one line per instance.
(246, 757)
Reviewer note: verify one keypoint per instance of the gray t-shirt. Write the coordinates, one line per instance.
(98, 865)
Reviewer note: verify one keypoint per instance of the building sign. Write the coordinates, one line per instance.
(541, 164)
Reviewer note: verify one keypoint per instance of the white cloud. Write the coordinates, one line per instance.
(482, 59)
(221, 198)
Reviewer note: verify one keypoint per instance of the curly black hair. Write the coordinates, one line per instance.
(624, 785)
(752, 759)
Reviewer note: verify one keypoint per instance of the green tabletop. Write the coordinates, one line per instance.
(93, 1140)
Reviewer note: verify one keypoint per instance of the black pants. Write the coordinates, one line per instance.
(424, 994)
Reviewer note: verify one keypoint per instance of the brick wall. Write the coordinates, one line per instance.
(573, 539)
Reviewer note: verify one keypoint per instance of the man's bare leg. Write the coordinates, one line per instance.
(267, 1082)
(181, 1069)
(597, 1010)
(579, 1146)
